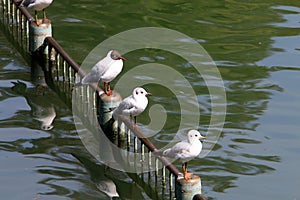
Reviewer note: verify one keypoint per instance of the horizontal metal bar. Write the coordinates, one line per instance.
(24, 10)
(52, 42)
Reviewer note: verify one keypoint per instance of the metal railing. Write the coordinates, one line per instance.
(16, 22)
(61, 73)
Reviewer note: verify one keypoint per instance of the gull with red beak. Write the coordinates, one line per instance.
(186, 150)
(134, 104)
(105, 70)
(37, 5)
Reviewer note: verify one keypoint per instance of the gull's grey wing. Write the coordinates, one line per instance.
(126, 106)
(91, 77)
(97, 71)
(27, 2)
(177, 149)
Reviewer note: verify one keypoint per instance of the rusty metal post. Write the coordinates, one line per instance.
(107, 123)
(37, 35)
(187, 189)
(111, 127)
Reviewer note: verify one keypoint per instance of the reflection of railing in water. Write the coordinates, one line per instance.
(61, 73)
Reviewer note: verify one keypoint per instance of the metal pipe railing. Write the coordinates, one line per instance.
(63, 79)
(17, 19)
(53, 44)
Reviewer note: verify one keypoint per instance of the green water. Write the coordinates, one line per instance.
(255, 46)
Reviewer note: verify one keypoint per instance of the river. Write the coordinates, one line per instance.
(255, 46)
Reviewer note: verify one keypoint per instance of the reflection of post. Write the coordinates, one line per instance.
(109, 126)
(37, 35)
(189, 189)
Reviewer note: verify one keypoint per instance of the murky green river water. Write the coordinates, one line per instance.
(255, 46)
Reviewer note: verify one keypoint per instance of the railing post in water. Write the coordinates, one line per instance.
(188, 189)
(110, 126)
(37, 35)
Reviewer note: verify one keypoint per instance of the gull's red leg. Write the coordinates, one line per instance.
(135, 121)
(186, 175)
(108, 91)
(108, 86)
(104, 85)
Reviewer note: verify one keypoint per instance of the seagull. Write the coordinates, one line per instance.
(105, 70)
(37, 5)
(108, 187)
(134, 104)
(186, 150)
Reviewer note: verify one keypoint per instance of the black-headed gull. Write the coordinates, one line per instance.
(186, 150)
(135, 104)
(105, 70)
(37, 5)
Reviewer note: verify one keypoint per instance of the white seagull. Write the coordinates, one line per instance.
(37, 5)
(105, 70)
(134, 104)
(186, 150)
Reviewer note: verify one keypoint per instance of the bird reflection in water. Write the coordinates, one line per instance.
(37, 98)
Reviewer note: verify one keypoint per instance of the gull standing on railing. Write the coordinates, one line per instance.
(134, 104)
(105, 71)
(186, 150)
(37, 5)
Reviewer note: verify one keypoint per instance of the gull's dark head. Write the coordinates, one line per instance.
(115, 55)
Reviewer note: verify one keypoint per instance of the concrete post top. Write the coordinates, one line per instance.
(114, 97)
(41, 23)
(194, 180)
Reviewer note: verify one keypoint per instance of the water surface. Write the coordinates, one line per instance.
(256, 48)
